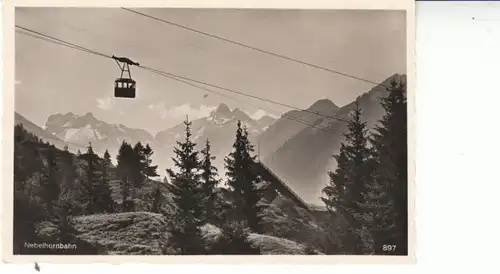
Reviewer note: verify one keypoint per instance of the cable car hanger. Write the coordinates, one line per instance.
(125, 86)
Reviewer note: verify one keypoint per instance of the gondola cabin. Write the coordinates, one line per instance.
(124, 88)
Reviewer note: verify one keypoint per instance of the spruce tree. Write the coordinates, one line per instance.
(50, 181)
(104, 201)
(234, 163)
(251, 195)
(71, 193)
(27, 159)
(391, 152)
(157, 199)
(91, 180)
(209, 180)
(21, 172)
(377, 216)
(107, 160)
(142, 167)
(234, 240)
(242, 179)
(344, 193)
(125, 170)
(149, 170)
(187, 197)
(138, 167)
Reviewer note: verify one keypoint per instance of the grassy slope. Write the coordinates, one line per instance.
(137, 233)
(125, 233)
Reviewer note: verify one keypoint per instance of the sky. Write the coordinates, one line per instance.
(54, 79)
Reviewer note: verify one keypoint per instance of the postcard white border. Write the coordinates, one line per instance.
(8, 127)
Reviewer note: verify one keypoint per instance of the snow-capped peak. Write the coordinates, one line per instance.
(87, 128)
(221, 111)
(223, 114)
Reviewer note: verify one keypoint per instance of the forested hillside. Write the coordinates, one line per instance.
(85, 201)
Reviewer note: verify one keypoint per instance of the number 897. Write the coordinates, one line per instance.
(390, 248)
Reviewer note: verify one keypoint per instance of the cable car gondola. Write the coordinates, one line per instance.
(125, 87)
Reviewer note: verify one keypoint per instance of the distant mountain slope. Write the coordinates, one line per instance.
(304, 160)
(43, 134)
(287, 126)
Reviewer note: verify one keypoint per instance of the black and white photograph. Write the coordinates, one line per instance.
(210, 131)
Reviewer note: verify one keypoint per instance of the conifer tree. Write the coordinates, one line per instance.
(27, 159)
(91, 180)
(251, 195)
(70, 191)
(377, 216)
(157, 199)
(104, 202)
(234, 163)
(391, 152)
(344, 193)
(209, 180)
(139, 151)
(149, 170)
(242, 179)
(21, 172)
(138, 167)
(50, 181)
(125, 159)
(142, 167)
(187, 197)
(234, 240)
(107, 160)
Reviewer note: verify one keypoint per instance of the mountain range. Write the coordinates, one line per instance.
(86, 129)
(298, 146)
(77, 131)
(219, 128)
